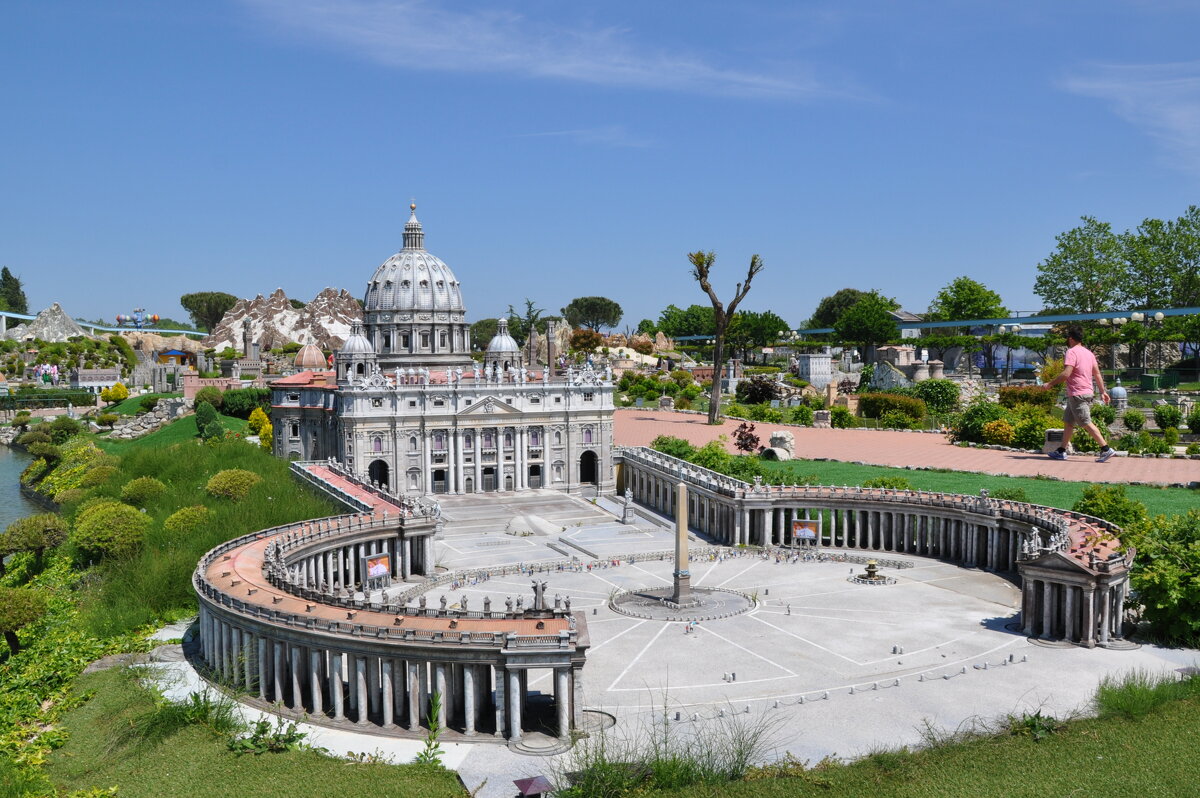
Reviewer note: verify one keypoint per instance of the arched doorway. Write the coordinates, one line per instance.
(587, 467)
(378, 472)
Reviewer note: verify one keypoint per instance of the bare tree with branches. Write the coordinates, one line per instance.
(702, 263)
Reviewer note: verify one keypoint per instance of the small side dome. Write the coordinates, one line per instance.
(357, 343)
(502, 342)
(309, 357)
(1118, 391)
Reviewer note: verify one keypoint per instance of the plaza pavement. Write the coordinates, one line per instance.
(637, 427)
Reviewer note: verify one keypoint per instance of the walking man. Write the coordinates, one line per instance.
(1080, 369)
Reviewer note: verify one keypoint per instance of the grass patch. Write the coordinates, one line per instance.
(1136, 694)
(1108, 757)
(180, 431)
(133, 405)
(194, 760)
(1048, 492)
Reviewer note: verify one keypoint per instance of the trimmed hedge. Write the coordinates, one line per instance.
(874, 405)
(232, 483)
(1014, 395)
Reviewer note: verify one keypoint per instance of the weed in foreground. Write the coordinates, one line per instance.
(1135, 694)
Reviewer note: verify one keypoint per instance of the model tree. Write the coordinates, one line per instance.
(702, 263)
(19, 607)
(12, 292)
(592, 312)
(207, 308)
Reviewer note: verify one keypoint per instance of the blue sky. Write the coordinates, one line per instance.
(566, 149)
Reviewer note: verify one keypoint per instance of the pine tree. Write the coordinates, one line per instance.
(12, 293)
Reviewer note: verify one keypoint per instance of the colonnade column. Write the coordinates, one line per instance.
(562, 700)
(514, 704)
(469, 691)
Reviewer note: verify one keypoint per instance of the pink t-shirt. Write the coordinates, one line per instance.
(1084, 362)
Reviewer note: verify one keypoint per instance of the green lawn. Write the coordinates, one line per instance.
(1052, 493)
(195, 761)
(176, 432)
(1098, 758)
(131, 406)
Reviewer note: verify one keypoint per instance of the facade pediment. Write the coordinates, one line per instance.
(489, 405)
(1057, 561)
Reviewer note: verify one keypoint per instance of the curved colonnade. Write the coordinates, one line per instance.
(284, 616)
(1073, 577)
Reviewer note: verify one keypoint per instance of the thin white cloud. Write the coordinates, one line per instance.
(1161, 99)
(417, 34)
(604, 136)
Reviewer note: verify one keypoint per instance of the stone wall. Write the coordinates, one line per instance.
(165, 412)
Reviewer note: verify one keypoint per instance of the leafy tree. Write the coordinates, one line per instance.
(592, 312)
(34, 533)
(482, 333)
(206, 418)
(257, 419)
(831, 308)
(19, 607)
(586, 340)
(744, 438)
(109, 528)
(266, 437)
(647, 327)
(675, 447)
(964, 298)
(12, 293)
(520, 324)
(63, 428)
(682, 322)
(1165, 577)
(757, 390)
(1086, 272)
(207, 308)
(107, 419)
(751, 329)
(702, 263)
(868, 322)
(1111, 503)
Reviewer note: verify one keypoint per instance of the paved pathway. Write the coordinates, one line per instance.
(895, 448)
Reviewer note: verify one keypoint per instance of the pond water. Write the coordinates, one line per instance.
(12, 504)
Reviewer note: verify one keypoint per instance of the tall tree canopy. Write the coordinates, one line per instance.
(12, 293)
(702, 263)
(592, 312)
(831, 308)
(207, 308)
(751, 329)
(1086, 271)
(681, 322)
(521, 322)
(482, 333)
(868, 322)
(965, 299)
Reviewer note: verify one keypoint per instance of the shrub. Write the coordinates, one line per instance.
(890, 483)
(47, 451)
(1133, 420)
(969, 424)
(210, 395)
(257, 419)
(33, 436)
(1193, 421)
(744, 438)
(19, 607)
(1011, 396)
(186, 520)
(998, 432)
(232, 483)
(1192, 448)
(1030, 430)
(207, 425)
(940, 396)
(1051, 369)
(148, 403)
(64, 427)
(816, 401)
(107, 419)
(117, 393)
(1165, 579)
(800, 414)
(34, 533)
(896, 419)
(1010, 494)
(108, 528)
(757, 390)
(141, 491)
(1171, 435)
(874, 405)
(266, 435)
(1111, 503)
(841, 418)
(96, 476)
(765, 413)
(1167, 416)
(1103, 414)
(675, 447)
(1082, 442)
(242, 402)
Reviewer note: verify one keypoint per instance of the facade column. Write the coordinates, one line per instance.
(262, 667)
(440, 686)
(362, 701)
(405, 547)
(1047, 610)
(515, 699)
(297, 676)
(336, 679)
(1088, 638)
(414, 696)
(1069, 614)
(577, 698)
(426, 462)
(469, 694)
(458, 462)
(249, 647)
(387, 689)
(1105, 613)
(562, 700)
(498, 674)
(278, 671)
(1028, 605)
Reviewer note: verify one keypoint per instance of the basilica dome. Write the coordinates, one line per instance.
(413, 280)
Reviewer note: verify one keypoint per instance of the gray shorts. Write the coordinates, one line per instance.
(1078, 412)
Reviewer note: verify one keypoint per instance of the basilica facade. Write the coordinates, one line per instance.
(408, 407)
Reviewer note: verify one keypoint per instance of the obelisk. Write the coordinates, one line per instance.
(683, 577)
